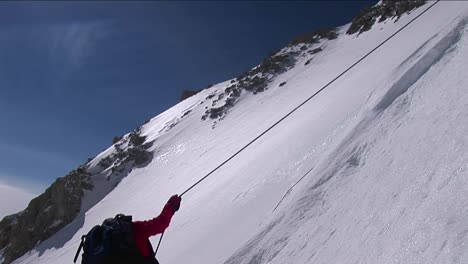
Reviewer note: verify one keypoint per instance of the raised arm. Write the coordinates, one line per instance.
(158, 224)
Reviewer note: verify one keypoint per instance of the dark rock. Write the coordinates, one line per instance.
(136, 151)
(116, 139)
(254, 81)
(60, 204)
(187, 94)
(315, 36)
(186, 113)
(210, 96)
(136, 139)
(105, 162)
(388, 9)
(282, 84)
(138, 155)
(315, 51)
(257, 79)
(45, 215)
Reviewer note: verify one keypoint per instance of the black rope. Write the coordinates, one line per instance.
(79, 249)
(159, 243)
(300, 105)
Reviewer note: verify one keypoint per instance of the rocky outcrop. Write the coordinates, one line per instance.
(45, 215)
(387, 9)
(187, 94)
(316, 36)
(254, 81)
(257, 79)
(61, 203)
(130, 151)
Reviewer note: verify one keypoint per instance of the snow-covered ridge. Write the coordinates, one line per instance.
(386, 9)
(370, 138)
(391, 189)
(303, 48)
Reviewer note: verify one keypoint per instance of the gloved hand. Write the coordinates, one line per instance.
(174, 202)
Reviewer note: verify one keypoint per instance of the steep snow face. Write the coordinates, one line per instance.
(386, 144)
(395, 188)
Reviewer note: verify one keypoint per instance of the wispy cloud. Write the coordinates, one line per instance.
(49, 52)
(73, 43)
(13, 199)
(69, 47)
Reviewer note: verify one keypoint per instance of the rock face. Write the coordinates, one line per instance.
(61, 203)
(387, 9)
(316, 36)
(254, 81)
(45, 215)
(187, 94)
(130, 151)
(257, 79)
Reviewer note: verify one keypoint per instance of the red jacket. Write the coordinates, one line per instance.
(142, 230)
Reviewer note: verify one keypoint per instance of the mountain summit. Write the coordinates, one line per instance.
(371, 170)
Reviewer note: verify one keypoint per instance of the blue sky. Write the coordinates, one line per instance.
(75, 74)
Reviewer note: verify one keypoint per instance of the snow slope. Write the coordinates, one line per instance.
(387, 145)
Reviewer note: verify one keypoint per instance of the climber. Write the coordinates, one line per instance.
(142, 230)
(120, 241)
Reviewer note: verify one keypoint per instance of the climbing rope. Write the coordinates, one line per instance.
(299, 106)
(159, 243)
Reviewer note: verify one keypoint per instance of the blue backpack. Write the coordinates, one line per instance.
(111, 242)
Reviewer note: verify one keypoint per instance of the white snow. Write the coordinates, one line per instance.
(387, 143)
